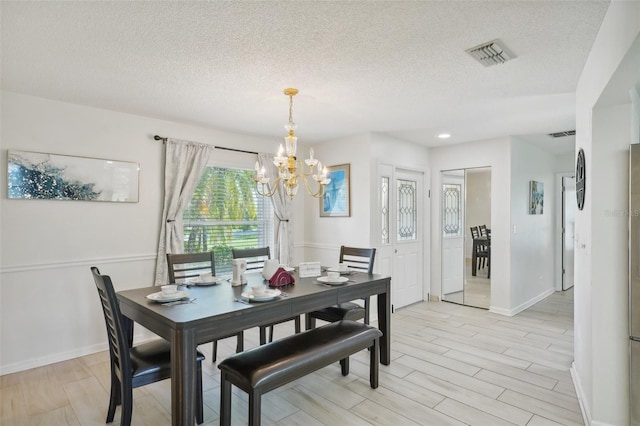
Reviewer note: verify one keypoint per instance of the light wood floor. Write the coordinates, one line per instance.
(452, 365)
(477, 289)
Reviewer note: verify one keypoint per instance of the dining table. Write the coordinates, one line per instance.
(220, 310)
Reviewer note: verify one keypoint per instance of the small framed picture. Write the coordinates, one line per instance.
(336, 200)
(536, 197)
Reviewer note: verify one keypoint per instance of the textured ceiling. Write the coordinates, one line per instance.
(391, 67)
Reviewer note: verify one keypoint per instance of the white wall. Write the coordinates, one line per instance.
(495, 153)
(49, 309)
(600, 369)
(532, 236)
(323, 236)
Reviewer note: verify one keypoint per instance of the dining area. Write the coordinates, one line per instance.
(204, 308)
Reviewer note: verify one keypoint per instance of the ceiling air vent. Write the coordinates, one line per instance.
(562, 134)
(490, 53)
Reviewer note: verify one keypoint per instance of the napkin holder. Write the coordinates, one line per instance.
(239, 267)
(280, 278)
(309, 269)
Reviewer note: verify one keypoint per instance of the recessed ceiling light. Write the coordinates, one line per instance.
(444, 135)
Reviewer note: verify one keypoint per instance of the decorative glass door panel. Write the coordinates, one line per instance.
(407, 210)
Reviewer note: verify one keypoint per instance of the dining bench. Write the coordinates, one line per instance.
(267, 367)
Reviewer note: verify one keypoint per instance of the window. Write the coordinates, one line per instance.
(452, 210)
(226, 212)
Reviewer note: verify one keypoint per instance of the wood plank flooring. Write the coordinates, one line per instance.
(452, 365)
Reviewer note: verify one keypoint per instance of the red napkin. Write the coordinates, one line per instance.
(281, 278)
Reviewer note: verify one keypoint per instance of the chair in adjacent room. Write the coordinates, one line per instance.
(134, 366)
(191, 265)
(255, 260)
(482, 254)
(359, 259)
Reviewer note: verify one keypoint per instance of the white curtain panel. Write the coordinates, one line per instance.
(184, 163)
(282, 208)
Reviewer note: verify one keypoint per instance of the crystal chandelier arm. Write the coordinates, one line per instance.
(318, 193)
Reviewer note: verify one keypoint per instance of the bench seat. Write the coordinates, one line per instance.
(262, 369)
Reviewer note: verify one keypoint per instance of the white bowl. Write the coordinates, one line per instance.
(169, 289)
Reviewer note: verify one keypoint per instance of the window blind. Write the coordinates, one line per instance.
(226, 212)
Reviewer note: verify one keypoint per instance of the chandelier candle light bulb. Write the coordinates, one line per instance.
(290, 169)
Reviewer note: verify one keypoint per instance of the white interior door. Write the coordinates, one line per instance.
(568, 230)
(408, 260)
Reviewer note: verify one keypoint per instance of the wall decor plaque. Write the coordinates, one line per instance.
(36, 175)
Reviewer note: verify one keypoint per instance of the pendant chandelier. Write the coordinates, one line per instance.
(291, 170)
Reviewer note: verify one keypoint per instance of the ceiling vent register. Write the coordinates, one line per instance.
(562, 134)
(491, 53)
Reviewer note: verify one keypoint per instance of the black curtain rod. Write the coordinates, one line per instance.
(160, 138)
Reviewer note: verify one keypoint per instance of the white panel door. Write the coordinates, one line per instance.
(568, 230)
(408, 260)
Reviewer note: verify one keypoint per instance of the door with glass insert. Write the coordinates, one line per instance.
(408, 261)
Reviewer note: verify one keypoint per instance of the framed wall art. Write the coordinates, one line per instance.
(36, 175)
(336, 200)
(536, 197)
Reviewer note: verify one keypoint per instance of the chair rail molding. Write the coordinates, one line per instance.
(77, 263)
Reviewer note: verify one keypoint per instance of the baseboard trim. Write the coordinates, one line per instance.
(523, 306)
(66, 356)
(586, 414)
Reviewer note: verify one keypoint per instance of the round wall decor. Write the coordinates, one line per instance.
(581, 178)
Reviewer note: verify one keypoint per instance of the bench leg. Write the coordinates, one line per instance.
(374, 363)
(254, 408)
(344, 366)
(225, 400)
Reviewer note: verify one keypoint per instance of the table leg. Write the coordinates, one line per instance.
(384, 324)
(474, 258)
(183, 378)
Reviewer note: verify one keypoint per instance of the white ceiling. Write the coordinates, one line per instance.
(397, 68)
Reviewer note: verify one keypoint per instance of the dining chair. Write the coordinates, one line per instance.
(134, 366)
(255, 256)
(484, 231)
(191, 265)
(482, 250)
(255, 260)
(360, 259)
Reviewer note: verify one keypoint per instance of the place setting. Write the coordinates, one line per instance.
(260, 293)
(332, 278)
(170, 295)
(342, 269)
(207, 279)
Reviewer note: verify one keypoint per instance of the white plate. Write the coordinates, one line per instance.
(334, 281)
(206, 281)
(161, 298)
(269, 295)
(342, 271)
(288, 268)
